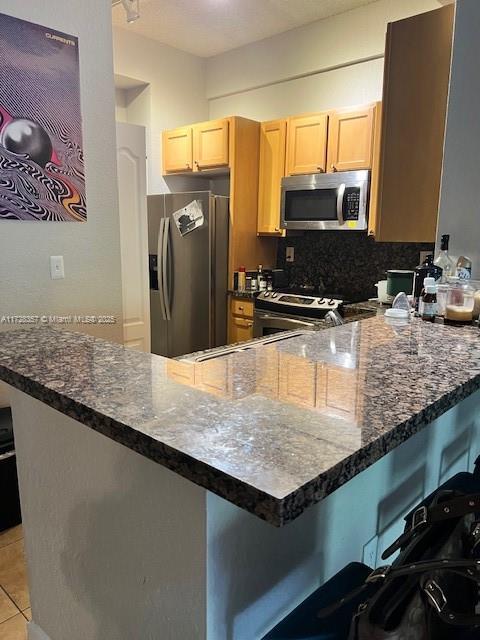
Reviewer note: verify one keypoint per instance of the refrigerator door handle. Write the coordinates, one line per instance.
(161, 234)
(166, 263)
(212, 265)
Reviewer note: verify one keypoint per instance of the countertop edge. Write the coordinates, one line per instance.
(253, 500)
(319, 488)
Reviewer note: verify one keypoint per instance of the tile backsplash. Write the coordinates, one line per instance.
(345, 263)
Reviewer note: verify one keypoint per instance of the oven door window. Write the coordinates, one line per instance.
(311, 205)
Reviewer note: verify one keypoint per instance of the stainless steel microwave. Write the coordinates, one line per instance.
(326, 201)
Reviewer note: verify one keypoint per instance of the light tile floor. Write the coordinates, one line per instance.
(14, 598)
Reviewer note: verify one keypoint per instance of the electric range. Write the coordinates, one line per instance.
(287, 309)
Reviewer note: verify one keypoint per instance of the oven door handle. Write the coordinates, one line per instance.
(283, 319)
(340, 196)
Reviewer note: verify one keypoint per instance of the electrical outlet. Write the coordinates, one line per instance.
(370, 551)
(290, 254)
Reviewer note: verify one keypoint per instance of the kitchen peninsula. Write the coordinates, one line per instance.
(243, 482)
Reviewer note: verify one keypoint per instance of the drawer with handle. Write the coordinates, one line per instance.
(241, 307)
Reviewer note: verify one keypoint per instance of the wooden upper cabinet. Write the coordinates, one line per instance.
(350, 139)
(211, 144)
(307, 144)
(273, 139)
(177, 150)
(416, 79)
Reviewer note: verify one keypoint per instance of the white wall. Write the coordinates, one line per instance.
(91, 250)
(329, 63)
(459, 203)
(120, 548)
(121, 105)
(175, 93)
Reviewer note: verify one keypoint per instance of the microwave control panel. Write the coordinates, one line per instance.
(351, 203)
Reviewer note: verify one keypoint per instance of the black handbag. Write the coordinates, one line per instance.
(431, 590)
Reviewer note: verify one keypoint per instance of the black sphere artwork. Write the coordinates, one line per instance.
(27, 138)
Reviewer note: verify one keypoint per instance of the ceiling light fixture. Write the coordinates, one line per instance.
(132, 8)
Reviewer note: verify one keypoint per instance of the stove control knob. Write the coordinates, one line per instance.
(266, 294)
(331, 303)
(321, 300)
(274, 294)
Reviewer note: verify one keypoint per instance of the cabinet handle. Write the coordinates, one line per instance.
(334, 168)
(321, 169)
(249, 324)
(277, 229)
(240, 308)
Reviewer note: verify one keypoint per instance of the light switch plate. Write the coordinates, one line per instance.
(57, 270)
(290, 254)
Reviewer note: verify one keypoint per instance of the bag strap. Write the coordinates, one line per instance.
(439, 512)
(437, 599)
(466, 568)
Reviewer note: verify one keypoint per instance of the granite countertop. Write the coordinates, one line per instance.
(274, 429)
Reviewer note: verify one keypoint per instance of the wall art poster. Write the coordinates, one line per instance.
(41, 153)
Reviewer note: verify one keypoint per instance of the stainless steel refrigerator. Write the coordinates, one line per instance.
(188, 260)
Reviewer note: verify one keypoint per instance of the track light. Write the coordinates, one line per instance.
(132, 9)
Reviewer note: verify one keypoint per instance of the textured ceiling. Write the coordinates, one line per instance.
(208, 27)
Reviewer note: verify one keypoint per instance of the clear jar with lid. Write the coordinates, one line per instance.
(442, 293)
(460, 303)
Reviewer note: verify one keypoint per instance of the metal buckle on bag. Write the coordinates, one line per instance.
(378, 574)
(435, 595)
(420, 517)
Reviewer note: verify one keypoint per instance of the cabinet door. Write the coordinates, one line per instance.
(307, 144)
(273, 139)
(177, 150)
(415, 90)
(210, 144)
(241, 329)
(350, 139)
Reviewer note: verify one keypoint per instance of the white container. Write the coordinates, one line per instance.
(382, 294)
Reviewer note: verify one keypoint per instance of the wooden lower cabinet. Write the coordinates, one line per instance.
(241, 329)
(242, 307)
(240, 324)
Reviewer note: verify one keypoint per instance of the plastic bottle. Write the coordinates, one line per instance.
(428, 281)
(429, 303)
